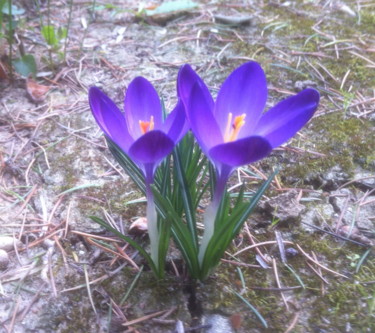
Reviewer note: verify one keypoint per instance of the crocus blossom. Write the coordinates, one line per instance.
(140, 131)
(142, 134)
(233, 130)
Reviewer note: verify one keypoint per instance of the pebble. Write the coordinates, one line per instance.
(4, 260)
(7, 243)
(218, 324)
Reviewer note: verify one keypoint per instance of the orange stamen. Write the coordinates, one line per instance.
(147, 126)
(233, 129)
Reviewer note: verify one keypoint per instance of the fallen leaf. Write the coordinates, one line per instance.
(36, 91)
(236, 320)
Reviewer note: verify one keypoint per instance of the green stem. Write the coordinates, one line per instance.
(49, 37)
(209, 217)
(68, 27)
(10, 40)
(152, 225)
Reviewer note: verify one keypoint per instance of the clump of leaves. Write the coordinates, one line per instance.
(25, 63)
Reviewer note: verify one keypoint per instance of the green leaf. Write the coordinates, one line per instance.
(252, 308)
(128, 240)
(25, 65)
(62, 33)
(186, 197)
(172, 6)
(227, 227)
(48, 32)
(180, 232)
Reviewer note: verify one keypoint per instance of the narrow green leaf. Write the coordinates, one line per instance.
(187, 201)
(228, 227)
(128, 240)
(252, 308)
(180, 233)
(62, 33)
(48, 32)
(76, 188)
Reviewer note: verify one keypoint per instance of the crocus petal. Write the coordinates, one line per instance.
(151, 147)
(243, 92)
(109, 118)
(286, 118)
(240, 152)
(202, 121)
(176, 124)
(141, 102)
(186, 79)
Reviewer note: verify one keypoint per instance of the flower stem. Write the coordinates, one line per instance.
(152, 224)
(211, 211)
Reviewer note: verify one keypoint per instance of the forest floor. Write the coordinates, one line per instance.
(61, 272)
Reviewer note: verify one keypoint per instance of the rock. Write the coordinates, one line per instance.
(219, 324)
(7, 243)
(139, 226)
(300, 85)
(4, 260)
(333, 178)
(284, 207)
(358, 213)
(233, 20)
(315, 216)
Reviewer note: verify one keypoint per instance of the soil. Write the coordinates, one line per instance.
(61, 272)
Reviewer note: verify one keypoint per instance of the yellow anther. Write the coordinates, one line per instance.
(233, 129)
(147, 126)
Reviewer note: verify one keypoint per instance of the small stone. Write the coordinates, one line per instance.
(139, 226)
(7, 243)
(4, 260)
(218, 324)
(285, 207)
(300, 85)
(291, 252)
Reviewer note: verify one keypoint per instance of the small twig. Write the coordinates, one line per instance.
(88, 288)
(141, 319)
(293, 323)
(319, 264)
(278, 283)
(260, 244)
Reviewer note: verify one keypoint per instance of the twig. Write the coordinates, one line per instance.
(319, 264)
(278, 283)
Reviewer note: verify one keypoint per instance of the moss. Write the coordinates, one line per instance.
(343, 141)
(348, 303)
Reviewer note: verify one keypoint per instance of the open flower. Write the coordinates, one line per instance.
(140, 131)
(143, 135)
(233, 131)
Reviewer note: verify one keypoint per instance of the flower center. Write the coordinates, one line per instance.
(147, 126)
(233, 128)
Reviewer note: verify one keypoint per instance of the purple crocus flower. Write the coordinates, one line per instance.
(140, 131)
(234, 131)
(142, 134)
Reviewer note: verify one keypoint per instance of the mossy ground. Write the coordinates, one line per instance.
(297, 41)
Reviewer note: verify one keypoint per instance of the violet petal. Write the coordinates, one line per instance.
(243, 92)
(240, 152)
(176, 124)
(202, 121)
(186, 79)
(151, 147)
(109, 118)
(286, 118)
(142, 102)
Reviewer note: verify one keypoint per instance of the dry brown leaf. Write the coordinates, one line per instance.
(36, 91)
